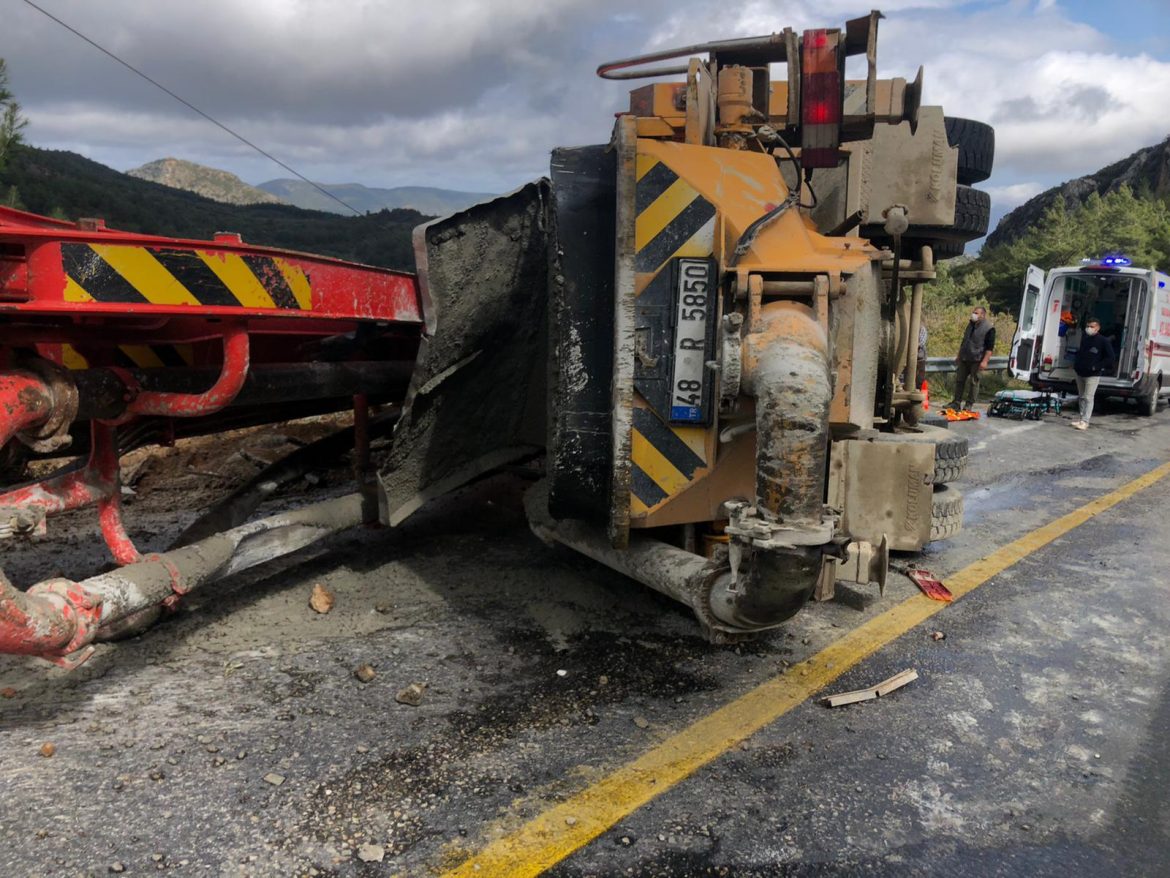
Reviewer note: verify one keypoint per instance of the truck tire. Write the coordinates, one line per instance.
(946, 513)
(1148, 404)
(972, 217)
(946, 249)
(950, 450)
(976, 143)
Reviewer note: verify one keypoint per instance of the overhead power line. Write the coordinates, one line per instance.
(186, 103)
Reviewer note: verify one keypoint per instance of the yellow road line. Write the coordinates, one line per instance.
(548, 838)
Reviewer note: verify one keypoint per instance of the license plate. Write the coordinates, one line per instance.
(694, 307)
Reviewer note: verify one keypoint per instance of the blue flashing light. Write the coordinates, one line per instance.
(1116, 261)
(1161, 284)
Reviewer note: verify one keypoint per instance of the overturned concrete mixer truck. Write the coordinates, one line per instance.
(705, 328)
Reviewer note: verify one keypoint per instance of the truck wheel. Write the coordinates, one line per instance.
(950, 450)
(950, 460)
(946, 249)
(976, 143)
(1148, 404)
(946, 513)
(972, 217)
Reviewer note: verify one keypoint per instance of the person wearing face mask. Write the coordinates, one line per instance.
(974, 355)
(1095, 357)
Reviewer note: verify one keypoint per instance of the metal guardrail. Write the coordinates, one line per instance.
(947, 364)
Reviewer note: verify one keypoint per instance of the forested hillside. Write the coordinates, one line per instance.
(70, 186)
(1118, 222)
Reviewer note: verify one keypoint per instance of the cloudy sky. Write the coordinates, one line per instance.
(472, 94)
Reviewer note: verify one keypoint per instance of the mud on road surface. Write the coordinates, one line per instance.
(235, 738)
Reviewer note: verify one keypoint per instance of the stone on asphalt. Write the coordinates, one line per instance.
(321, 599)
(411, 695)
(371, 853)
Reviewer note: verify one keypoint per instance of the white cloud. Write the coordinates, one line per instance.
(1007, 197)
(473, 94)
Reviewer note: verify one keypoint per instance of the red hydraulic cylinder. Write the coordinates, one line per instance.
(25, 401)
(50, 620)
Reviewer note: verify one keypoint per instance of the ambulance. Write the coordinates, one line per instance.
(1133, 307)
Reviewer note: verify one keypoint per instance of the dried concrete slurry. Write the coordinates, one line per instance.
(236, 738)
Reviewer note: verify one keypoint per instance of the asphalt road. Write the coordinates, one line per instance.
(1033, 743)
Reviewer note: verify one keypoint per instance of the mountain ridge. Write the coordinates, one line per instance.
(209, 182)
(424, 199)
(1145, 171)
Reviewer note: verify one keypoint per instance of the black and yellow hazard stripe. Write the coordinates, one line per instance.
(122, 274)
(136, 356)
(673, 220)
(665, 459)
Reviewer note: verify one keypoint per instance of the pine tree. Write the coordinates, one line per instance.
(12, 122)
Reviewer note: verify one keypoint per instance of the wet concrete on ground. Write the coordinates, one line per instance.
(1032, 743)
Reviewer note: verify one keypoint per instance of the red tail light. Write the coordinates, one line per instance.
(821, 99)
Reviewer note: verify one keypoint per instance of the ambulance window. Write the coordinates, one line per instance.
(1028, 311)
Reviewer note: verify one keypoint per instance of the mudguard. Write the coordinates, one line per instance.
(477, 395)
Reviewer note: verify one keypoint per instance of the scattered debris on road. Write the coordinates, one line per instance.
(274, 779)
(48, 749)
(7, 692)
(885, 687)
(929, 584)
(371, 853)
(960, 415)
(365, 673)
(641, 722)
(937, 636)
(411, 695)
(321, 599)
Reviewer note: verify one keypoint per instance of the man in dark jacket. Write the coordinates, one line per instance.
(1095, 358)
(974, 355)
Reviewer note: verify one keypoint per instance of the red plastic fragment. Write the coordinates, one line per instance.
(930, 585)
